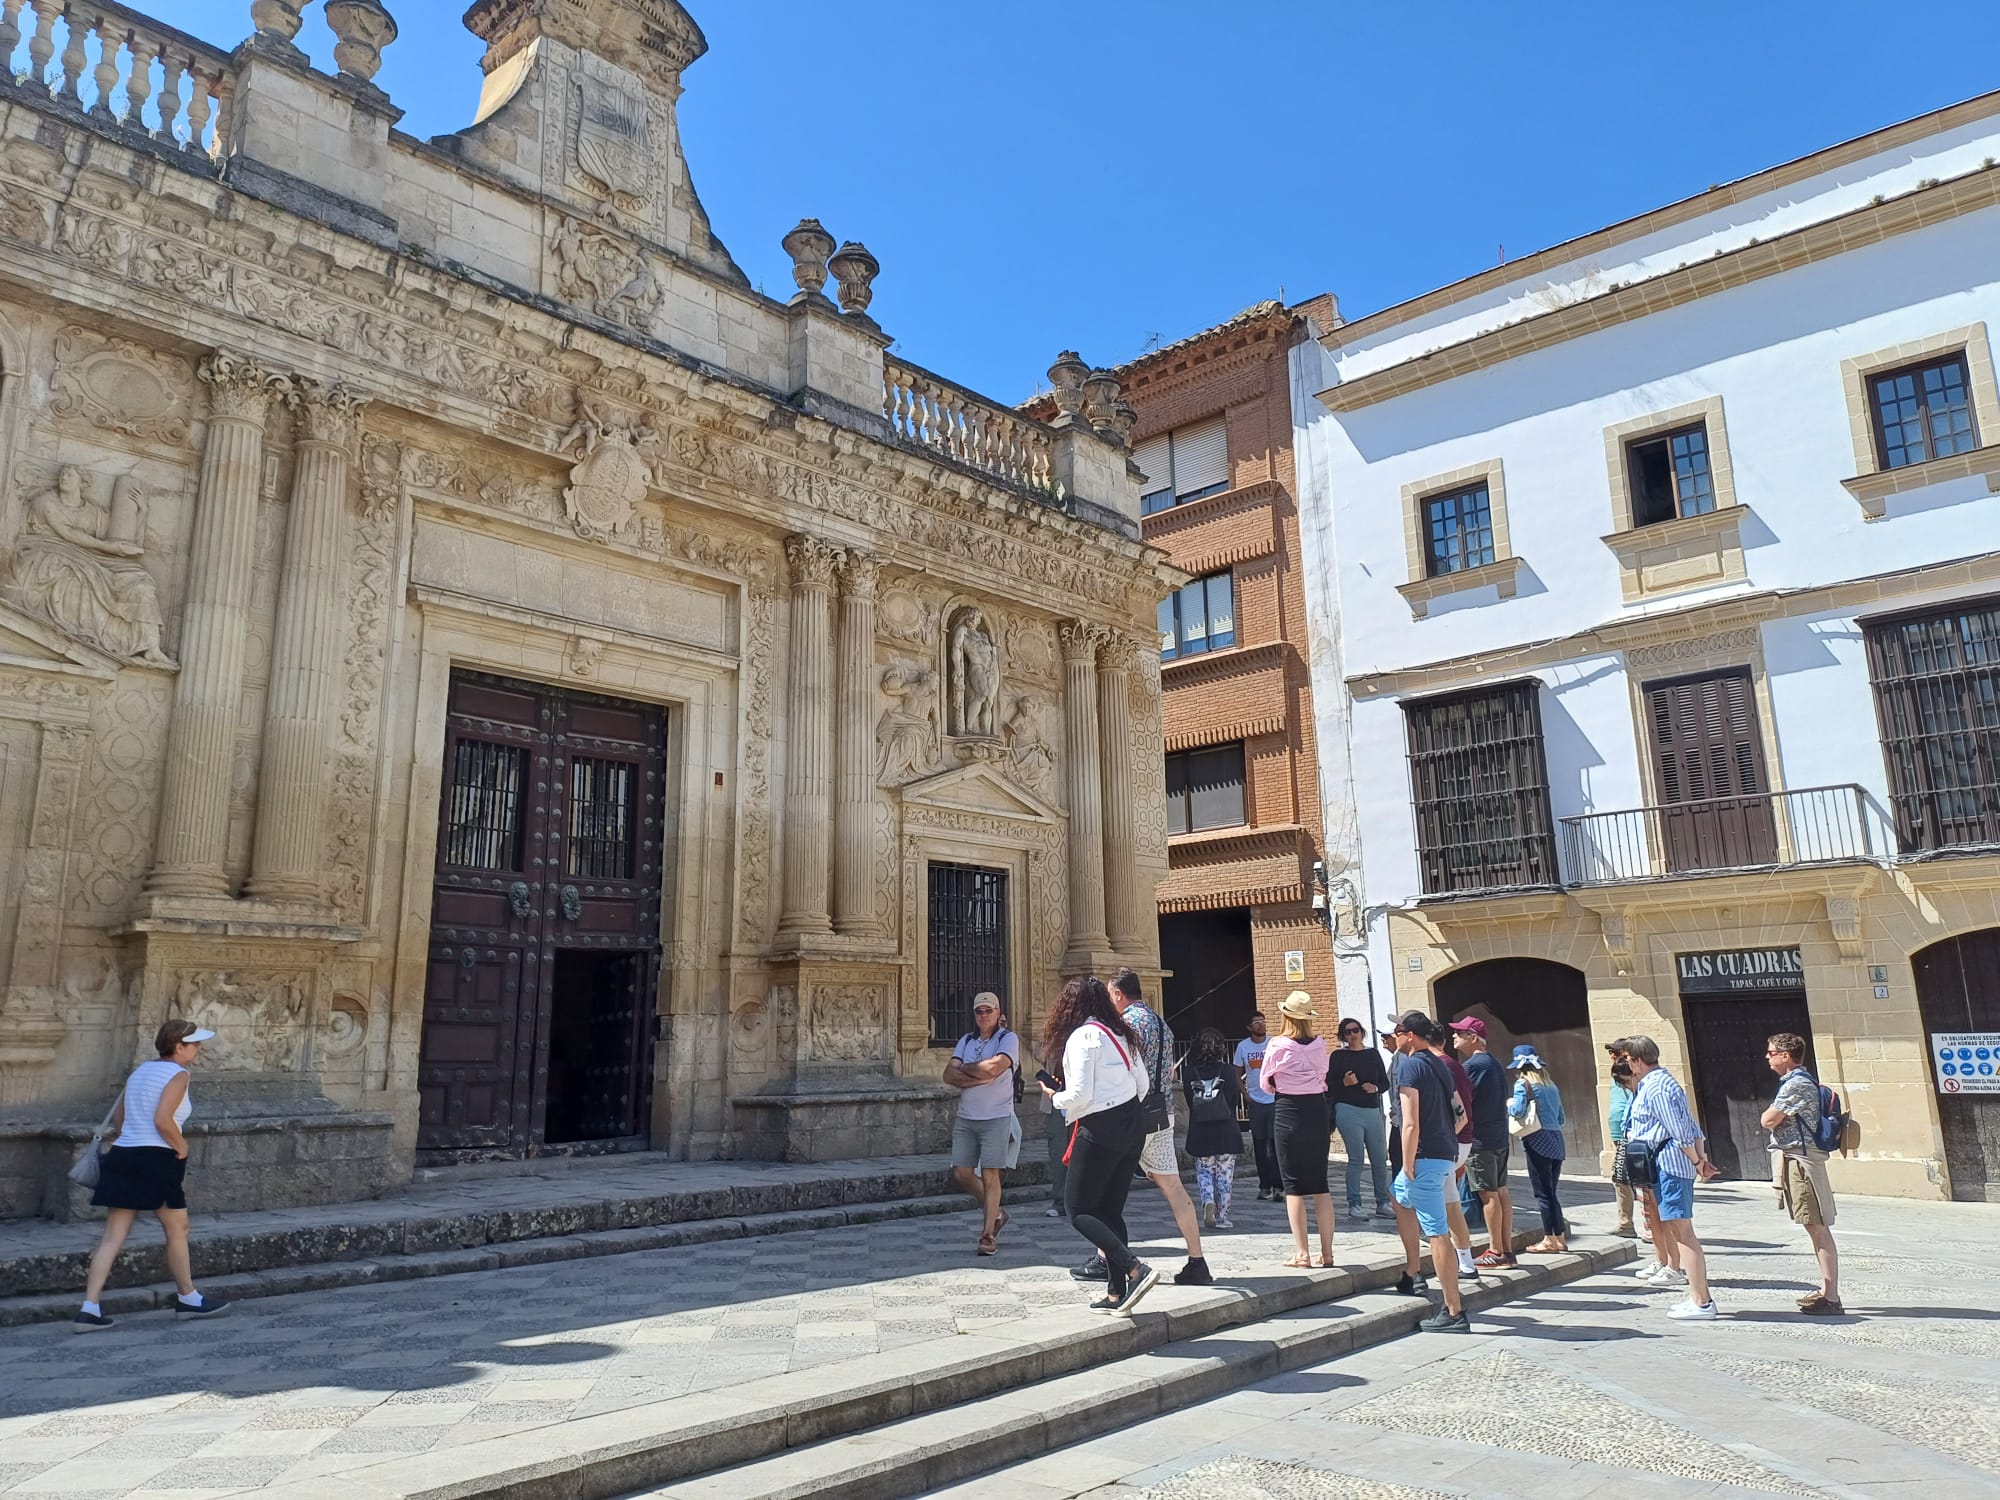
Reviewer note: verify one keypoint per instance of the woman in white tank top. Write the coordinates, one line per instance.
(144, 1169)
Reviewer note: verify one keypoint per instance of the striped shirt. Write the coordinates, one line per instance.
(1660, 1114)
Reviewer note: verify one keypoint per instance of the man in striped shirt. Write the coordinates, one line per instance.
(1662, 1122)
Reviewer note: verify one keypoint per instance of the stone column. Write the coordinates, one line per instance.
(854, 803)
(809, 737)
(201, 736)
(289, 850)
(1114, 727)
(1082, 778)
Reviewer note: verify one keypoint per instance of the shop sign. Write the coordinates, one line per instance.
(1740, 971)
(1295, 966)
(1968, 1062)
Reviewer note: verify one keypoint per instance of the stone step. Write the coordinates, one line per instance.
(934, 1449)
(690, 1438)
(436, 1229)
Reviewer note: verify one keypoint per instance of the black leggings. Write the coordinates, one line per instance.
(1101, 1161)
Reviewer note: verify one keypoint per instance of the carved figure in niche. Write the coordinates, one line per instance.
(77, 567)
(906, 735)
(1034, 761)
(975, 676)
(613, 472)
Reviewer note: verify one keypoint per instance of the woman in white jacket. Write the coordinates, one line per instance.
(1103, 1079)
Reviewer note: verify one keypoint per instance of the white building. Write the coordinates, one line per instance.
(1657, 606)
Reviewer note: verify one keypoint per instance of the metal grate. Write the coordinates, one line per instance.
(1481, 790)
(968, 944)
(600, 819)
(483, 831)
(1937, 696)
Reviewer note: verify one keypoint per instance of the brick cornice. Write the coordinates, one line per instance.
(1158, 528)
(1217, 664)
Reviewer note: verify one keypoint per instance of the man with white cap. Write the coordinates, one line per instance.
(986, 1136)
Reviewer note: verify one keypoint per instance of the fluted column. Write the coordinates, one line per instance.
(201, 736)
(1122, 911)
(809, 737)
(1081, 752)
(854, 797)
(288, 853)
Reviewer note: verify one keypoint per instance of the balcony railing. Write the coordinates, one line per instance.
(934, 413)
(117, 65)
(1813, 826)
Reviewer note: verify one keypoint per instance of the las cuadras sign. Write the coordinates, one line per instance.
(1737, 971)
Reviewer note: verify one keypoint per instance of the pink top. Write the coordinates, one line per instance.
(1295, 1067)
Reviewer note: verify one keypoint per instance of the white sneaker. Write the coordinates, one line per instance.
(1669, 1278)
(1648, 1272)
(1691, 1311)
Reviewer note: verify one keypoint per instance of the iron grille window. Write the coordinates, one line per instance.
(1481, 790)
(1205, 789)
(1670, 476)
(968, 944)
(1937, 699)
(1459, 526)
(483, 831)
(1922, 412)
(600, 819)
(1198, 618)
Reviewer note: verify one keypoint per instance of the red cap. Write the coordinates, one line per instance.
(1472, 1024)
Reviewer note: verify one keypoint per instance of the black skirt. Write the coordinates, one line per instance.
(140, 1177)
(1302, 1132)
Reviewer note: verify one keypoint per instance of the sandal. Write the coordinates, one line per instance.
(1324, 1260)
(1547, 1246)
(1302, 1262)
(1820, 1304)
(987, 1245)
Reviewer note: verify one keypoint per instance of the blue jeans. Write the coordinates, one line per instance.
(1363, 1128)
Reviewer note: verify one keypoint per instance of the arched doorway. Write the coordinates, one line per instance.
(1547, 1005)
(1958, 990)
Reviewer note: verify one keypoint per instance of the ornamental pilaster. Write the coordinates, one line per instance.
(1081, 749)
(193, 837)
(1124, 914)
(288, 861)
(854, 792)
(809, 737)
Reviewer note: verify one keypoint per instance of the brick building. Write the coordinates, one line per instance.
(1238, 928)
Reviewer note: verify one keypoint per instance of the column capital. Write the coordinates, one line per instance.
(244, 388)
(329, 413)
(1118, 652)
(859, 574)
(1080, 640)
(811, 560)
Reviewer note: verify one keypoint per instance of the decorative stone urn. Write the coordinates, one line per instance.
(1124, 417)
(809, 245)
(855, 269)
(277, 22)
(1067, 376)
(361, 29)
(1100, 399)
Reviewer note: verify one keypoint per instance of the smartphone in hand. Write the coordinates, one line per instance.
(1047, 1079)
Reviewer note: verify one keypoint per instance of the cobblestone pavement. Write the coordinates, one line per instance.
(296, 1386)
(1589, 1389)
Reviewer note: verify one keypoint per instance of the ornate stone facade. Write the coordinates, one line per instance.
(286, 474)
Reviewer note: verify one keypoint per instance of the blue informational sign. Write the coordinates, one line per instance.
(1968, 1062)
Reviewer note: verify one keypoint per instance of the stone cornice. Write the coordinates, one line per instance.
(440, 340)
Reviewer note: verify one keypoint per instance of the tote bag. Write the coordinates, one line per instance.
(90, 1161)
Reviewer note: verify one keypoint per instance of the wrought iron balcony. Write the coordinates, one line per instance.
(1821, 825)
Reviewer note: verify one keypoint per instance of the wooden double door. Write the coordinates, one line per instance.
(1708, 768)
(1733, 1083)
(545, 924)
(1958, 990)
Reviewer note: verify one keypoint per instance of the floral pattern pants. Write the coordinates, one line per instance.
(1213, 1177)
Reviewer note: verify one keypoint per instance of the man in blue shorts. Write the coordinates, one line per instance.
(1429, 1138)
(1671, 1151)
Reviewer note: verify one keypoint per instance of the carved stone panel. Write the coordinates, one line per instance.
(260, 1017)
(118, 386)
(846, 1023)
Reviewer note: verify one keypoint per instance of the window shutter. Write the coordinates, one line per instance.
(1154, 457)
(1201, 456)
(1215, 787)
(1221, 609)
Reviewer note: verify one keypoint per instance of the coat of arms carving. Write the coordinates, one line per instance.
(611, 146)
(612, 474)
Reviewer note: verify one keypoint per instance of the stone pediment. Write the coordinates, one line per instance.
(979, 788)
(26, 642)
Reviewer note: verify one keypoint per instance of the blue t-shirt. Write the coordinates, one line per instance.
(1250, 1058)
(1489, 1101)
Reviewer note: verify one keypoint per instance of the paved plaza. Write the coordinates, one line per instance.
(1589, 1390)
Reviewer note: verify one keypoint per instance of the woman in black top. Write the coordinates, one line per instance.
(1357, 1079)
(1214, 1138)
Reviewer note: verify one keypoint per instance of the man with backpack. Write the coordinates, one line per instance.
(985, 1068)
(1805, 1121)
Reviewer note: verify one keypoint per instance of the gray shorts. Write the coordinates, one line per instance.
(985, 1144)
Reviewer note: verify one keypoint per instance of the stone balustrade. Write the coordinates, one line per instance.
(115, 64)
(929, 410)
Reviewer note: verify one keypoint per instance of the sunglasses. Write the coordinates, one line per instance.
(985, 1010)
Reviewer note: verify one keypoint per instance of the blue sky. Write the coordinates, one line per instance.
(1041, 174)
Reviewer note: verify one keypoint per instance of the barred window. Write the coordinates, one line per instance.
(1480, 787)
(1922, 412)
(1937, 699)
(1458, 528)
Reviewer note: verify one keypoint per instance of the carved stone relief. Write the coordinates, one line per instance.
(34, 1021)
(1029, 755)
(259, 1017)
(612, 474)
(846, 1023)
(615, 150)
(118, 386)
(906, 736)
(755, 679)
(76, 565)
(606, 276)
(972, 664)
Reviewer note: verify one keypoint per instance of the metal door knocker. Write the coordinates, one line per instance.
(572, 903)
